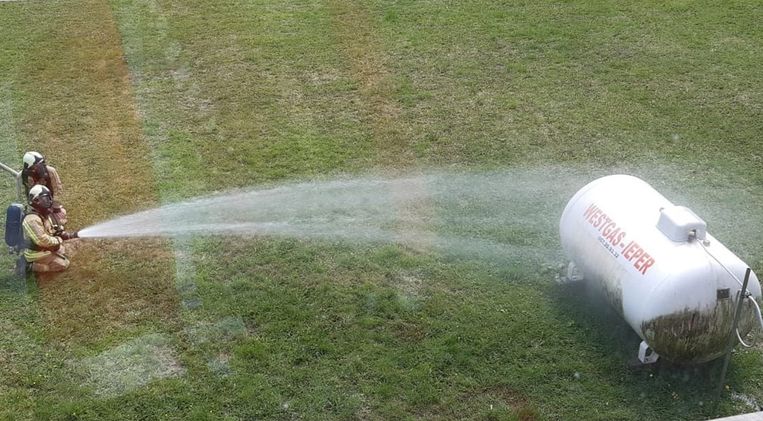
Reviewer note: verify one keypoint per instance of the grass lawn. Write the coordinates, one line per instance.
(140, 103)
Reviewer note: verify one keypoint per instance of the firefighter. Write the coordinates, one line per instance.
(37, 172)
(45, 250)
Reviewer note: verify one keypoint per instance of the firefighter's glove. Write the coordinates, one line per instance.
(69, 235)
(58, 230)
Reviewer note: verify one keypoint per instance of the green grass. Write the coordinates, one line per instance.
(145, 102)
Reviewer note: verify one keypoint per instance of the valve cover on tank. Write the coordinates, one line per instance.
(647, 256)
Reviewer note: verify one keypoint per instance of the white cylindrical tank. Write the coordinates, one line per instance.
(656, 264)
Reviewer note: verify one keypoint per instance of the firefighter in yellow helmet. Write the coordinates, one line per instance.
(37, 172)
(45, 251)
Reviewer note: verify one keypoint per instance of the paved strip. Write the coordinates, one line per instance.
(753, 416)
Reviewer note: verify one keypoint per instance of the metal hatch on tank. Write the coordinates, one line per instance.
(673, 282)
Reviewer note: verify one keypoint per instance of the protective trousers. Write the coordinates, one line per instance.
(52, 262)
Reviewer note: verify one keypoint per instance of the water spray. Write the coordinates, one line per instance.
(500, 214)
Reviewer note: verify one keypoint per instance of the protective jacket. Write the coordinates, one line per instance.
(48, 178)
(39, 231)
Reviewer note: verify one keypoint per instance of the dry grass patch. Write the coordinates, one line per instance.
(358, 39)
(78, 109)
(112, 288)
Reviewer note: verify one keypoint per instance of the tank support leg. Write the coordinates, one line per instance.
(646, 354)
(573, 274)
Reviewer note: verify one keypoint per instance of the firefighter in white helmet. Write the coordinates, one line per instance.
(37, 172)
(45, 250)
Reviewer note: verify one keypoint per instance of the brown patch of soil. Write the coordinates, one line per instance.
(357, 39)
(111, 287)
(78, 109)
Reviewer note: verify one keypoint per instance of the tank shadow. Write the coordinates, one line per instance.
(609, 335)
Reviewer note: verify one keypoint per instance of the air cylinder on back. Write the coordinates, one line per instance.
(14, 233)
(658, 267)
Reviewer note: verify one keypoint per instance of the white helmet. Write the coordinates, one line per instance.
(36, 192)
(31, 158)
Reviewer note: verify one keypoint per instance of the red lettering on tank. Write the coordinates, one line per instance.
(603, 220)
(590, 210)
(594, 215)
(608, 229)
(646, 265)
(630, 249)
(599, 217)
(611, 236)
(619, 238)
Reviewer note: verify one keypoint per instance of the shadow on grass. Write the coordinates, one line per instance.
(13, 284)
(10, 281)
(670, 390)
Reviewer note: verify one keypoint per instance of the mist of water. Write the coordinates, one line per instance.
(487, 214)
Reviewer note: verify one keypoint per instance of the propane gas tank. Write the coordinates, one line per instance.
(658, 267)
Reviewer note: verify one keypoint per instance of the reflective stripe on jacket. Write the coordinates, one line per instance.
(39, 231)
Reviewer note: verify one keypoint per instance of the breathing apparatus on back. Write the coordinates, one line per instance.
(14, 232)
(40, 203)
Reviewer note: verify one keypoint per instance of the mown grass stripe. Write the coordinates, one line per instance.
(135, 19)
(74, 106)
(358, 39)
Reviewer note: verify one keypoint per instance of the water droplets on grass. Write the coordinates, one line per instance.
(132, 365)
